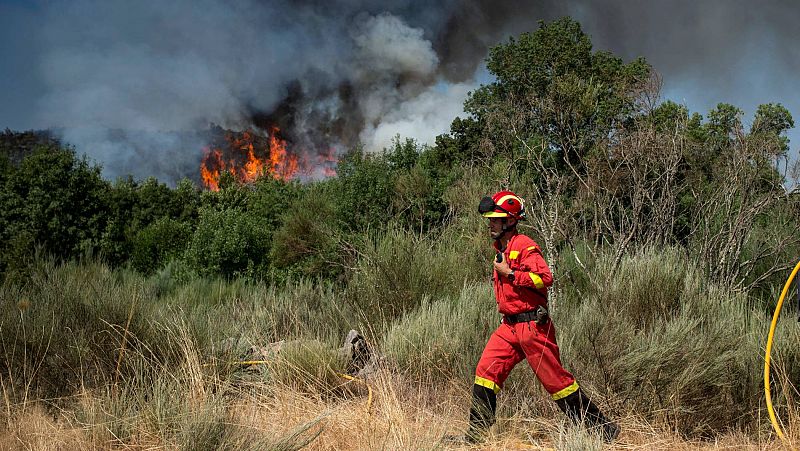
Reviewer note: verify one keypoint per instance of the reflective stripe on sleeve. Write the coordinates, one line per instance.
(537, 280)
(513, 254)
(483, 382)
(564, 392)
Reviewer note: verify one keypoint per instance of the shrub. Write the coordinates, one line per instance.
(363, 191)
(659, 337)
(444, 337)
(157, 243)
(307, 242)
(55, 198)
(398, 269)
(230, 243)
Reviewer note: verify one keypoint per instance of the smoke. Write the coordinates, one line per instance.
(125, 81)
(732, 51)
(134, 84)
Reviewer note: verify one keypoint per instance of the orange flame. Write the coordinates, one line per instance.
(210, 168)
(249, 157)
(284, 165)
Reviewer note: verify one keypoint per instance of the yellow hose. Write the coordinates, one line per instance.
(369, 389)
(767, 393)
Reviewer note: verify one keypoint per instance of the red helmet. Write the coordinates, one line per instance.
(502, 205)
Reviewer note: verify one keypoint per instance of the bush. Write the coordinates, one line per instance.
(57, 200)
(157, 243)
(443, 338)
(398, 269)
(307, 243)
(230, 243)
(363, 191)
(662, 339)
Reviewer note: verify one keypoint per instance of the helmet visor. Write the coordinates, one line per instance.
(486, 206)
(488, 209)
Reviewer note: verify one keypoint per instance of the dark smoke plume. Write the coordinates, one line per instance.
(134, 84)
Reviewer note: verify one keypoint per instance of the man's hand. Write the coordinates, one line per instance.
(502, 267)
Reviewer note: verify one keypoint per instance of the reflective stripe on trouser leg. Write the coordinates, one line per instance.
(491, 385)
(563, 393)
(499, 357)
(538, 342)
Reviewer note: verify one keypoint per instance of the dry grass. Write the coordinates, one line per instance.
(163, 392)
(402, 416)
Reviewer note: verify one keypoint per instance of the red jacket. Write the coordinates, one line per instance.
(532, 277)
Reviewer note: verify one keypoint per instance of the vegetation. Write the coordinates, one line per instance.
(126, 304)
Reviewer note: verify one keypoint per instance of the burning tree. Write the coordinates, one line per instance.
(251, 154)
(248, 156)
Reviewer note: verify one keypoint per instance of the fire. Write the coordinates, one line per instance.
(248, 156)
(284, 165)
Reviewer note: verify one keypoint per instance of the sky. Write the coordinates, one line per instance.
(339, 72)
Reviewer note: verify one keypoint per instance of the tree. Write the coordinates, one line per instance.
(552, 89)
(57, 200)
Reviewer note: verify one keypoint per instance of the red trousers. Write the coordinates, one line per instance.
(511, 343)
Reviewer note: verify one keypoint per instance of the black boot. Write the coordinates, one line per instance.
(581, 410)
(481, 415)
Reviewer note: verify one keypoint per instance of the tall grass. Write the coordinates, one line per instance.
(661, 339)
(121, 359)
(443, 338)
(398, 269)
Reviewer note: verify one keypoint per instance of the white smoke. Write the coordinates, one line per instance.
(388, 46)
(387, 50)
(422, 117)
(146, 68)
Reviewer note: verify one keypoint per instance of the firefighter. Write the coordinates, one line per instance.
(521, 279)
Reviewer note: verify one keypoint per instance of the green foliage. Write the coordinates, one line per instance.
(666, 340)
(308, 241)
(724, 123)
(54, 199)
(364, 189)
(274, 199)
(460, 146)
(551, 87)
(398, 270)
(405, 183)
(420, 347)
(159, 242)
(134, 206)
(773, 120)
(668, 116)
(229, 243)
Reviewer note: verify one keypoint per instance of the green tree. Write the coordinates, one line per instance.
(159, 242)
(554, 92)
(307, 242)
(773, 120)
(56, 200)
(363, 190)
(133, 206)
